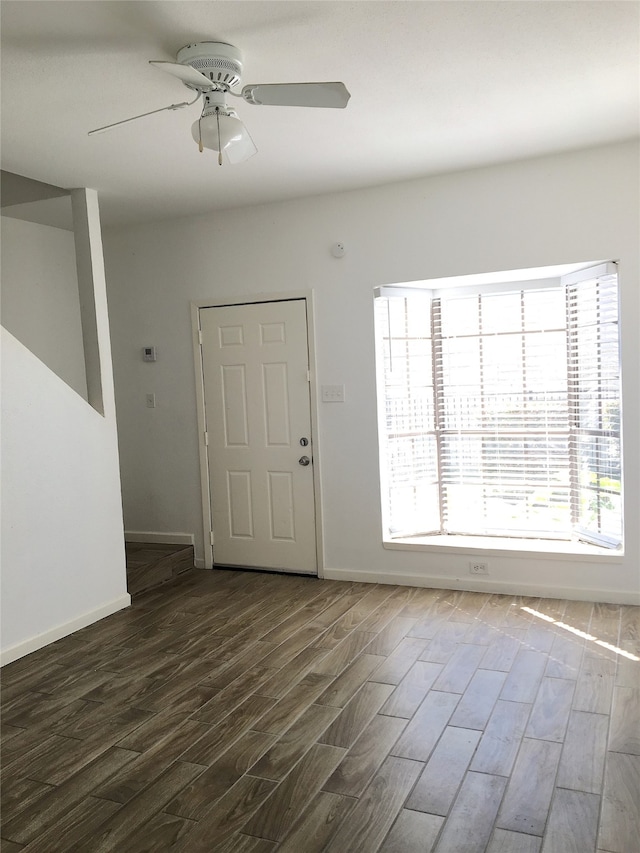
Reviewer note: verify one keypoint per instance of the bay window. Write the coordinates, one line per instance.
(500, 409)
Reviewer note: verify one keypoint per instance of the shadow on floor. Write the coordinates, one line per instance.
(151, 564)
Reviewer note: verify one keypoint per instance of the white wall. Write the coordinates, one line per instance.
(40, 304)
(63, 562)
(561, 209)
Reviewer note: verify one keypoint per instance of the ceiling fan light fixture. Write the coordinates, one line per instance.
(220, 129)
(206, 129)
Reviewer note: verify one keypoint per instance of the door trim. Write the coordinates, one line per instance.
(196, 305)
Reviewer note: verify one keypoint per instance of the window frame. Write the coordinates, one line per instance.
(579, 541)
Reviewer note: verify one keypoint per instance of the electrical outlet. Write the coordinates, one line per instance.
(476, 567)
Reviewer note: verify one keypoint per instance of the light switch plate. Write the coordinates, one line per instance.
(333, 393)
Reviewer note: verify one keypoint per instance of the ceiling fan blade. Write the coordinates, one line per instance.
(298, 94)
(241, 147)
(142, 115)
(185, 73)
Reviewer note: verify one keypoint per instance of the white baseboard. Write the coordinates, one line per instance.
(608, 596)
(199, 563)
(19, 650)
(160, 538)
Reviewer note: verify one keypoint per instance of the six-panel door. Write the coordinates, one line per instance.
(255, 367)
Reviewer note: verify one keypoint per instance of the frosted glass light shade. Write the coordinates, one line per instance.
(234, 139)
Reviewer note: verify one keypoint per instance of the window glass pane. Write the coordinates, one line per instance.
(594, 396)
(418, 353)
(544, 309)
(599, 458)
(460, 316)
(418, 318)
(415, 508)
(409, 414)
(460, 387)
(482, 511)
(460, 363)
(407, 444)
(501, 312)
(462, 409)
(600, 513)
(506, 483)
(502, 364)
(585, 299)
(397, 316)
(413, 489)
(546, 363)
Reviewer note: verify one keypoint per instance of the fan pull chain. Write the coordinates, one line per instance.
(219, 145)
(200, 146)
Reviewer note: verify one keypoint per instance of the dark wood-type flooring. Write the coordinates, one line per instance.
(151, 564)
(242, 712)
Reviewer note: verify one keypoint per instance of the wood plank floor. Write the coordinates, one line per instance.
(251, 713)
(152, 564)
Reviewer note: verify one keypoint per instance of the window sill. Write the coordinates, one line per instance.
(499, 547)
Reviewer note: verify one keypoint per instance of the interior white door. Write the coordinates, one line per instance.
(258, 417)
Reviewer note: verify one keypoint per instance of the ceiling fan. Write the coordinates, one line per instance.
(211, 69)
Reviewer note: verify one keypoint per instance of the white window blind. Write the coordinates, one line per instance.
(593, 363)
(500, 410)
(407, 414)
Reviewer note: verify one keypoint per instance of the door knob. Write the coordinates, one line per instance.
(304, 460)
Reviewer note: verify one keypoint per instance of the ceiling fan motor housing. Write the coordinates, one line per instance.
(220, 62)
(216, 102)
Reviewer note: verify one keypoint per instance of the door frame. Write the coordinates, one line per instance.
(205, 485)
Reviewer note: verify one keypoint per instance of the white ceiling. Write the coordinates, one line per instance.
(435, 86)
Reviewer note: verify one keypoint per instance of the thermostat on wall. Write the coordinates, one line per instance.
(149, 354)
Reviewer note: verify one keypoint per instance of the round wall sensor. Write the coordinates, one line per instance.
(337, 250)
